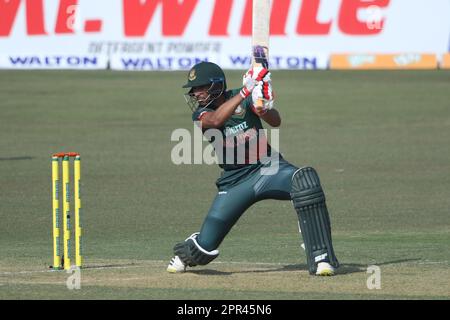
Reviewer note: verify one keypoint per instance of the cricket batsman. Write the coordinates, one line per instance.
(247, 176)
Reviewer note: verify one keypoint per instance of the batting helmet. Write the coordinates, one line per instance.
(205, 73)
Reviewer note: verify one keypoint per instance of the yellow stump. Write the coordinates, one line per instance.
(78, 226)
(66, 212)
(56, 213)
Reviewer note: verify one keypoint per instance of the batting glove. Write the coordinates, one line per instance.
(262, 92)
(267, 91)
(251, 78)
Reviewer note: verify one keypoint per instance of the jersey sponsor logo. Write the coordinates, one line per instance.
(229, 131)
(246, 147)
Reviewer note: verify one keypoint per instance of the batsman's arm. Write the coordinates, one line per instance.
(272, 117)
(216, 119)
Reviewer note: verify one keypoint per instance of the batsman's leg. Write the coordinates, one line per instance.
(202, 248)
(308, 199)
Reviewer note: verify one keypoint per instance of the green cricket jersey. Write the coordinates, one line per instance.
(242, 145)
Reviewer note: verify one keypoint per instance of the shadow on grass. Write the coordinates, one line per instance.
(355, 268)
(112, 266)
(344, 268)
(100, 266)
(16, 158)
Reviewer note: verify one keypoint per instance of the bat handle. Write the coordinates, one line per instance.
(259, 103)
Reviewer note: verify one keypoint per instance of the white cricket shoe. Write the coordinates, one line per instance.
(176, 265)
(324, 269)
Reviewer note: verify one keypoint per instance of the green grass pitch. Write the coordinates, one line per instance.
(379, 140)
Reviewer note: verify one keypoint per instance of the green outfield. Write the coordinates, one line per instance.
(379, 140)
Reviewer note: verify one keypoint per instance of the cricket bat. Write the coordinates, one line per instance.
(260, 35)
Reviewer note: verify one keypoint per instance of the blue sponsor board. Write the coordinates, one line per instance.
(293, 62)
(240, 62)
(21, 61)
(155, 63)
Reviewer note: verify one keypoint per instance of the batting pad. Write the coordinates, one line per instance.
(309, 202)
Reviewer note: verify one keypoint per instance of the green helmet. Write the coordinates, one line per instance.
(205, 74)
